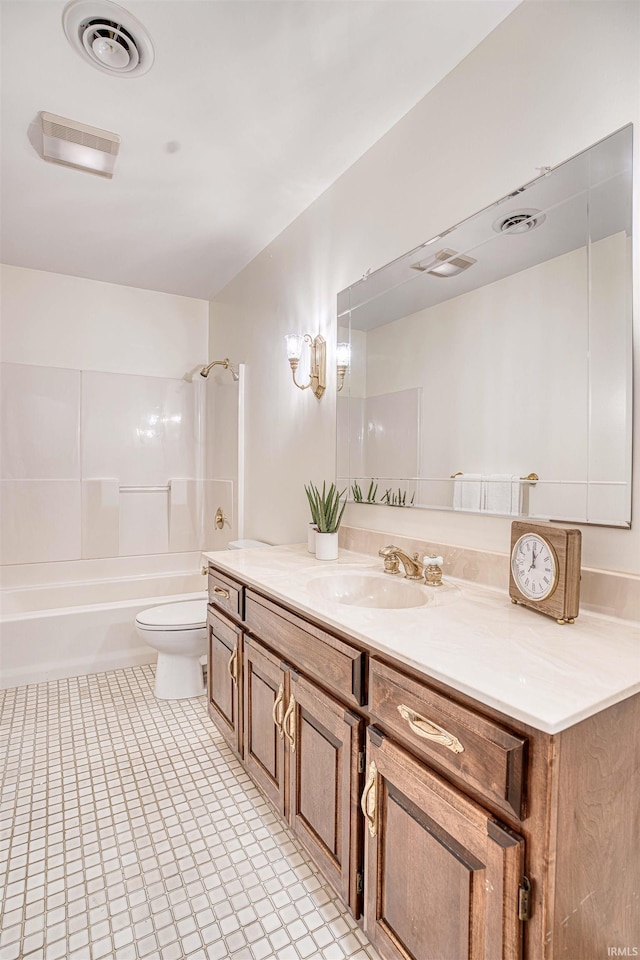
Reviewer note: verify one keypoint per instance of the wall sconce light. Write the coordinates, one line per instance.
(343, 362)
(317, 360)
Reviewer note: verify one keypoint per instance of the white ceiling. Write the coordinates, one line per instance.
(250, 111)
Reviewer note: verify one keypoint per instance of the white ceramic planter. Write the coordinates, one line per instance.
(326, 546)
(311, 537)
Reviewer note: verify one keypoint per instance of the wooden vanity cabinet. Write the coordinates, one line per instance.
(325, 764)
(442, 876)
(224, 678)
(459, 832)
(477, 753)
(266, 694)
(304, 749)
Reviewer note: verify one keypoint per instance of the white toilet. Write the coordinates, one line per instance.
(178, 631)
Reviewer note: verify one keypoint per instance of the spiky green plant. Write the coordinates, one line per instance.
(325, 507)
(311, 492)
(371, 495)
(356, 492)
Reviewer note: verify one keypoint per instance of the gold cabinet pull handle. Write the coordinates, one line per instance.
(221, 592)
(289, 723)
(369, 800)
(232, 665)
(277, 711)
(429, 730)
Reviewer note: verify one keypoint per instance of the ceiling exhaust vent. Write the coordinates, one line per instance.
(519, 221)
(445, 263)
(108, 37)
(78, 145)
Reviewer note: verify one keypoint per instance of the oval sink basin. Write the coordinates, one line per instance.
(368, 590)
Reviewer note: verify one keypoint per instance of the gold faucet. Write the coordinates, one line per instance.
(413, 568)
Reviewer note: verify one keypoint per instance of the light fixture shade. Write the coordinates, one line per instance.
(78, 145)
(294, 345)
(343, 354)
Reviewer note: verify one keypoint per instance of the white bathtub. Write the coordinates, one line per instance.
(61, 627)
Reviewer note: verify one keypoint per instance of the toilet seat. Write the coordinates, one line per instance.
(185, 615)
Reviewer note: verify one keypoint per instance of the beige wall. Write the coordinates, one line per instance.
(52, 320)
(550, 80)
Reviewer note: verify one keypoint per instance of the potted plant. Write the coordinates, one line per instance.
(327, 512)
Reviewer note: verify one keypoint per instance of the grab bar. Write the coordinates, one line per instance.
(164, 489)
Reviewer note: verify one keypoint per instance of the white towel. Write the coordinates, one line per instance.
(467, 491)
(502, 493)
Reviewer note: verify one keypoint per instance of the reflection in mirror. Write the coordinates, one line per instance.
(491, 367)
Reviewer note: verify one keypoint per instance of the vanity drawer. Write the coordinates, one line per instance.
(226, 593)
(455, 739)
(335, 664)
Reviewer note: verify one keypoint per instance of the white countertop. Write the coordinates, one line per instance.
(467, 636)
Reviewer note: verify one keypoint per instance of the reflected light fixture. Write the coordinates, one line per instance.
(445, 263)
(343, 362)
(317, 360)
(78, 145)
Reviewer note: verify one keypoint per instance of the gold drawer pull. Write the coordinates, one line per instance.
(429, 730)
(232, 665)
(289, 723)
(277, 711)
(368, 801)
(220, 592)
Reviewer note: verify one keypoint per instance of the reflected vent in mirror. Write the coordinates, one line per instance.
(445, 263)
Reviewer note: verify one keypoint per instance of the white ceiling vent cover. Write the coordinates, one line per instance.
(108, 37)
(519, 221)
(78, 145)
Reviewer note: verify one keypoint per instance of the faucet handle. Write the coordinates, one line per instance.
(391, 560)
(433, 571)
(388, 550)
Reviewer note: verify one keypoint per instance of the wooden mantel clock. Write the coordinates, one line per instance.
(545, 569)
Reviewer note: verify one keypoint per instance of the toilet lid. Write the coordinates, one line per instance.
(185, 615)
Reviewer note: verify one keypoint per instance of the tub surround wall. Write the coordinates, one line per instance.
(101, 464)
(481, 132)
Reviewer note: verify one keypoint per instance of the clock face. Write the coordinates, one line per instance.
(533, 565)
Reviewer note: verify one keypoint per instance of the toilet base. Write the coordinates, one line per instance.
(178, 678)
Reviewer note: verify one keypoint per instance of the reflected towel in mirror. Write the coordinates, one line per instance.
(502, 493)
(467, 491)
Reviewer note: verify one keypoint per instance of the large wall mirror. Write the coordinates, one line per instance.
(490, 367)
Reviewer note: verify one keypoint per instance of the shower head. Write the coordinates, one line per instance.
(219, 363)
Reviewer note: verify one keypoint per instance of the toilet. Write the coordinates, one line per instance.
(178, 631)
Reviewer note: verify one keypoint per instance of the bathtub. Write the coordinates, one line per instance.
(64, 620)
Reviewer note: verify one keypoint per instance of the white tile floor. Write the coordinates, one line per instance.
(130, 831)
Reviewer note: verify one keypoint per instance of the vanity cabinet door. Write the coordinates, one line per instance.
(266, 693)
(441, 875)
(224, 678)
(325, 742)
